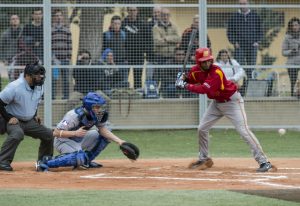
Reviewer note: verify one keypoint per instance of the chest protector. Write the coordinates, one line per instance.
(87, 121)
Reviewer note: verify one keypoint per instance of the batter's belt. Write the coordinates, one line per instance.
(235, 96)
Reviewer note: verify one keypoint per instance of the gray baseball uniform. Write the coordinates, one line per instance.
(234, 110)
(71, 122)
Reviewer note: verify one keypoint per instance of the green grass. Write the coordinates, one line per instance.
(133, 198)
(160, 144)
(184, 143)
(4, 82)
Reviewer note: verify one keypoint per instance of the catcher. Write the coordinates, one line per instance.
(78, 143)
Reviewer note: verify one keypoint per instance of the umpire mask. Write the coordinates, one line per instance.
(36, 72)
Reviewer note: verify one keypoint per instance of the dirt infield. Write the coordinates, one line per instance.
(152, 174)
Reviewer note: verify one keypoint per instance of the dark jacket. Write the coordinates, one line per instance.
(116, 42)
(33, 40)
(138, 37)
(244, 29)
(87, 79)
(9, 43)
(185, 39)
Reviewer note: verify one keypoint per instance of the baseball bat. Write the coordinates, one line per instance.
(189, 49)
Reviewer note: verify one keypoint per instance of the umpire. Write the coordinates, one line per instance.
(18, 106)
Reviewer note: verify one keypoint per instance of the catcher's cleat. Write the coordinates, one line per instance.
(201, 164)
(90, 165)
(266, 167)
(95, 165)
(40, 166)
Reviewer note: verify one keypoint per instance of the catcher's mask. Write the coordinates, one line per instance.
(94, 104)
(36, 72)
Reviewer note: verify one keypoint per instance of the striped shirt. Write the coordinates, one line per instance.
(61, 42)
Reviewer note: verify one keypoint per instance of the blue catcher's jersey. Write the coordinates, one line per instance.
(76, 118)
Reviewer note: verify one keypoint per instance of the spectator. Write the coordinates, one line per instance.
(185, 39)
(245, 33)
(32, 35)
(19, 102)
(166, 76)
(86, 79)
(9, 40)
(136, 32)
(231, 68)
(113, 77)
(165, 37)
(156, 16)
(138, 38)
(61, 50)
(291, 49)
(115, 39)
(19, 62)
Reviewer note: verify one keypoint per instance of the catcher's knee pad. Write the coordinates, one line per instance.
(74, 159)
(100, 146)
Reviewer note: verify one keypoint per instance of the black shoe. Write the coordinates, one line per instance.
(90, 165)
(5, 167)
(95, 165)
(266, 167)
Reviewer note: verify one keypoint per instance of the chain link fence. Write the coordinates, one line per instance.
(130, 52)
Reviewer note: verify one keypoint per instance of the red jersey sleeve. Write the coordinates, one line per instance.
(205, 83)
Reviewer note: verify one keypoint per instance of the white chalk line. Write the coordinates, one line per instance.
(259, 179)
(277, 185)
(282, 168)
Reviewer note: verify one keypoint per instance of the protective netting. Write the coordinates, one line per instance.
(131, 53)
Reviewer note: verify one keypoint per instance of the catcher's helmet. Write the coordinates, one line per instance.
(203, 54)
(33, 70)
(93, 99)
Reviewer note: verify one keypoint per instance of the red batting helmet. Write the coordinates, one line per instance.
(203, 54)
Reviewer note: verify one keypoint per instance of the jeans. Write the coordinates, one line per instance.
(64, 74)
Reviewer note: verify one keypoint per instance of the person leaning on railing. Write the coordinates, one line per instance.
(291, 49)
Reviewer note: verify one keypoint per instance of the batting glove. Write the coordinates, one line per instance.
(180, 84)
(181, 75)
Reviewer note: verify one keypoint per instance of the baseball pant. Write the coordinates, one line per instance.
(16, 135)
(234, 110)
(66, 145)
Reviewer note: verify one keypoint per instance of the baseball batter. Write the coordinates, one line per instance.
(207, 78)
(76, 140)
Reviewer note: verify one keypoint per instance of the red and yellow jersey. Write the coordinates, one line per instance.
(213, 83)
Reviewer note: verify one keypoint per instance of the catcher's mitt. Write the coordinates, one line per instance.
(130, 150)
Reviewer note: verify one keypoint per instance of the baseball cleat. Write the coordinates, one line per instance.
(266, 167)
(41, 167)
(201, 164)
(95, 165)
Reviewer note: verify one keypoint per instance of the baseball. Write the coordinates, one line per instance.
(281, 132)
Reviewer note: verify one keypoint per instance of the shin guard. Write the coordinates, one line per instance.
(74, 159)
(100, 146)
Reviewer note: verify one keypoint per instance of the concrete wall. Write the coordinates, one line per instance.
(178, 113)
